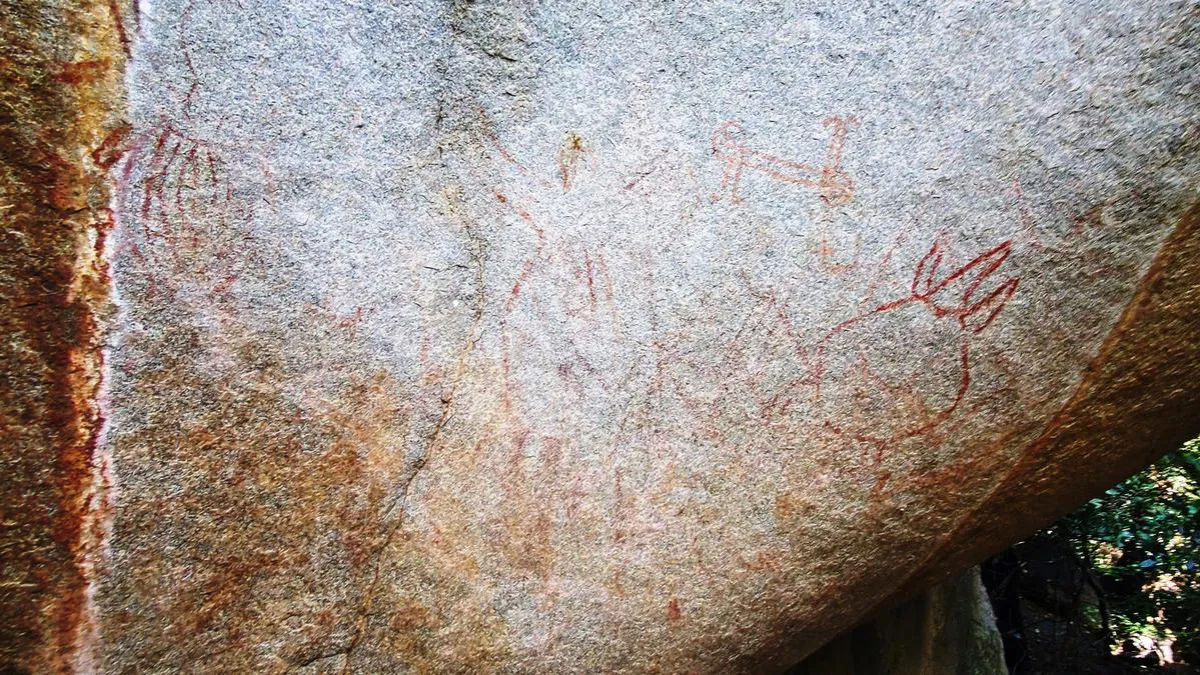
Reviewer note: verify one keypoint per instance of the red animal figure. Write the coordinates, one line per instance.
(834, 184)
(902, 368)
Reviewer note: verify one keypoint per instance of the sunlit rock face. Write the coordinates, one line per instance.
(591, 337)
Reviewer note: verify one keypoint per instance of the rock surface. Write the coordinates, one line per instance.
(948, 630)
(576, 337)
(61, 95)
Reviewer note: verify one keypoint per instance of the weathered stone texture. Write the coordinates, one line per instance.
(60, 97)
(585, 337)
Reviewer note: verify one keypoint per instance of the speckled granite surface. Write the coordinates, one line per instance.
(600, 337)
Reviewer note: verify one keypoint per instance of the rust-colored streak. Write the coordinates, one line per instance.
(116, 15)
(60, 94)
(84, 72)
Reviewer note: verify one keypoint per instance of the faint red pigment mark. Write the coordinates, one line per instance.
(269, 184)
(528, 265)
(185, 19)
(567, 258)
(832, 257)
(770, 315)
(621, 508)
(575, 497)
(881, 481)
(674, 612)
(347, 322)
(587, 265)
(118, 21)
(496, 144)
(615, 583)
(633, 178)
(879, 274)
(762, 562)
(593, 275)
(188, 225)
(569, 154)
(1028, 231)
(1072, 243)
(835, 186)
(826, 254)
(193, 76)
(960, 297)
(180, 169)
(113, 148)
(82, 71)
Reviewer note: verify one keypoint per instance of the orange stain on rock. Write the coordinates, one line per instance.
(674, 613)
(569, 155)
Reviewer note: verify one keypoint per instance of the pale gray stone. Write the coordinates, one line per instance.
(605, 337)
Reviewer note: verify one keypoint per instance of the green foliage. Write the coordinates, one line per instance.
(1141, 540)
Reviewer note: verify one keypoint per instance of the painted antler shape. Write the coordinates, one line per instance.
(958, 294)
